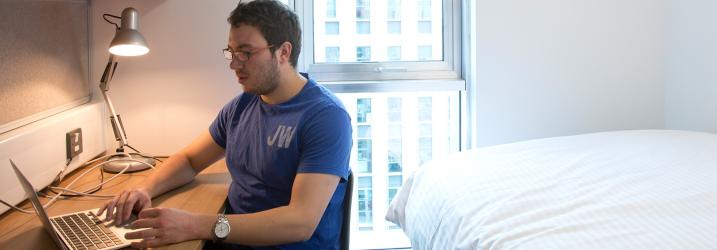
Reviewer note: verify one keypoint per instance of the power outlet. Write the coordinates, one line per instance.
(74, 143)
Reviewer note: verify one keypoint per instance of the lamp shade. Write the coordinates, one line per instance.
(128, 41)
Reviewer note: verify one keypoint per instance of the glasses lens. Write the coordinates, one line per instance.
(227, 54)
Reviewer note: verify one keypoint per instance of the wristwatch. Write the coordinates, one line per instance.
(221, 228)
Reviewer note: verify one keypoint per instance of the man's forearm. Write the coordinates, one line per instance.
(172, 173)
(271, 227)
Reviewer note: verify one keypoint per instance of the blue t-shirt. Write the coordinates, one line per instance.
(267, 145)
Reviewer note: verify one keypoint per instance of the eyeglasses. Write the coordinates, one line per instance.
(242, 55)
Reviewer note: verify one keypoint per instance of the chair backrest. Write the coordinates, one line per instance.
(346, 222)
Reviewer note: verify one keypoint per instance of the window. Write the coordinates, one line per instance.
(424, 27)
(394, 183)
(363, 54)
(409, 23)
(393, 27)
(332, 54)
(424, 52)
(363, 27)
(424, 9)
(394, 134)
(394, 53)
(332, 28)
(331, 8)
(363, 10)
(365, 203)
(399, 77)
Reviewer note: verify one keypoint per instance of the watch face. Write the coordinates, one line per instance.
(221, 230)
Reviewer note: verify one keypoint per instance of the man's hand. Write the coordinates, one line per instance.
(120, 208)
(166, 226)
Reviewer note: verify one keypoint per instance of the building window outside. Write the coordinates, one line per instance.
(393, 27)
(363, 9)
(424, 27)
(401, 20)
(331, 8)
(332, 28)
(363, 54)
(388, 144)
(398, 142)
(393, 9)
(424, 52)
(363, 27)
(394, 183)
(394, 53)
(365, 203)
(424, 9)
(395, 154)
(332, 54)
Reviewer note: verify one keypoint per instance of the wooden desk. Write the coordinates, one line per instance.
(206, 194)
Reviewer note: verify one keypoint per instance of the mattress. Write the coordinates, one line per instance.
(639, 189)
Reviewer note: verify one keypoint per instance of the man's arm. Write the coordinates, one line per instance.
(176, 171)
(295, 222)
(180, 168)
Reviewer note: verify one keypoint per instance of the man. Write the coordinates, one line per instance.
(286, 141)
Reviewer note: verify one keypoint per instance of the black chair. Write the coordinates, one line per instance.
(346, 222)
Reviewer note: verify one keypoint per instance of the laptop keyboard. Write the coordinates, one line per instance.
(85, 231)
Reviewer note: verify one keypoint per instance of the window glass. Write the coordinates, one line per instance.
(332, 54)
(394, 53)
(363, 54)
(332, 28)
(363, 27)
(366, 25)
(424, 27)
(331, 8)
(393, 27)
(394, 134)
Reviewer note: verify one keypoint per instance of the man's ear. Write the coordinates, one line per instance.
(284, 50)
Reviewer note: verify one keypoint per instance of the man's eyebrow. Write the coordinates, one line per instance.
(242, 46)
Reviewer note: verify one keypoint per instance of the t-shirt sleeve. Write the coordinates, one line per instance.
(326, 146)
(218, 128)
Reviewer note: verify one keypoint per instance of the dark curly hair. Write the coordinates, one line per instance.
(276, 22)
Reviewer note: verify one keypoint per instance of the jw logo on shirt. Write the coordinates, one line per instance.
(283, 134)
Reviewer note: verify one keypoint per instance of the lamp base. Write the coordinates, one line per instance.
(122, 161)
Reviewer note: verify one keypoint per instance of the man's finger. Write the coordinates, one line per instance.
(144, 223)
(142, 234)
(110, 209)
(128, 206)
(148, 213)
(119, 206)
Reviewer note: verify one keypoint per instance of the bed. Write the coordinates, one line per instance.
(638, 189)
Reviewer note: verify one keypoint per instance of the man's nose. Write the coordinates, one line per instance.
(235, 64)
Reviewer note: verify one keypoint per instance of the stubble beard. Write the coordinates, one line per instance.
(268, 80)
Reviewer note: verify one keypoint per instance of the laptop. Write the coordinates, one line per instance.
(79, 230)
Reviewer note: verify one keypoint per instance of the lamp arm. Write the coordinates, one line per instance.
(115, 119)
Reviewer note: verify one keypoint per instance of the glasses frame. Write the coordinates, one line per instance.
(242, 55)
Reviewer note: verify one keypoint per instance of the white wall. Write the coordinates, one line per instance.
(559, 67)
(543, 68)
(169, 96)
(691, 82)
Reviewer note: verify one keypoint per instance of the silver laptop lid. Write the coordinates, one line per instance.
(30, 192)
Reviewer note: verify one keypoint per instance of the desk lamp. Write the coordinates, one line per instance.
(126, 42)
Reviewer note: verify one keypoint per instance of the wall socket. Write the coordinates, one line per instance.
(74, 143)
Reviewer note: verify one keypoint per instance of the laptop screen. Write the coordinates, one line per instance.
(30, 192)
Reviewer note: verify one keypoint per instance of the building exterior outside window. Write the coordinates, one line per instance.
(331, 8)
(333, 54)
(363, 54)
(394, 131)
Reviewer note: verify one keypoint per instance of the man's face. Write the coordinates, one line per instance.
(259, 74)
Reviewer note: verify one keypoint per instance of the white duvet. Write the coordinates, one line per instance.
(643, 189)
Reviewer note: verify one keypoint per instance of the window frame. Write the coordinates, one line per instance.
(336, 74)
